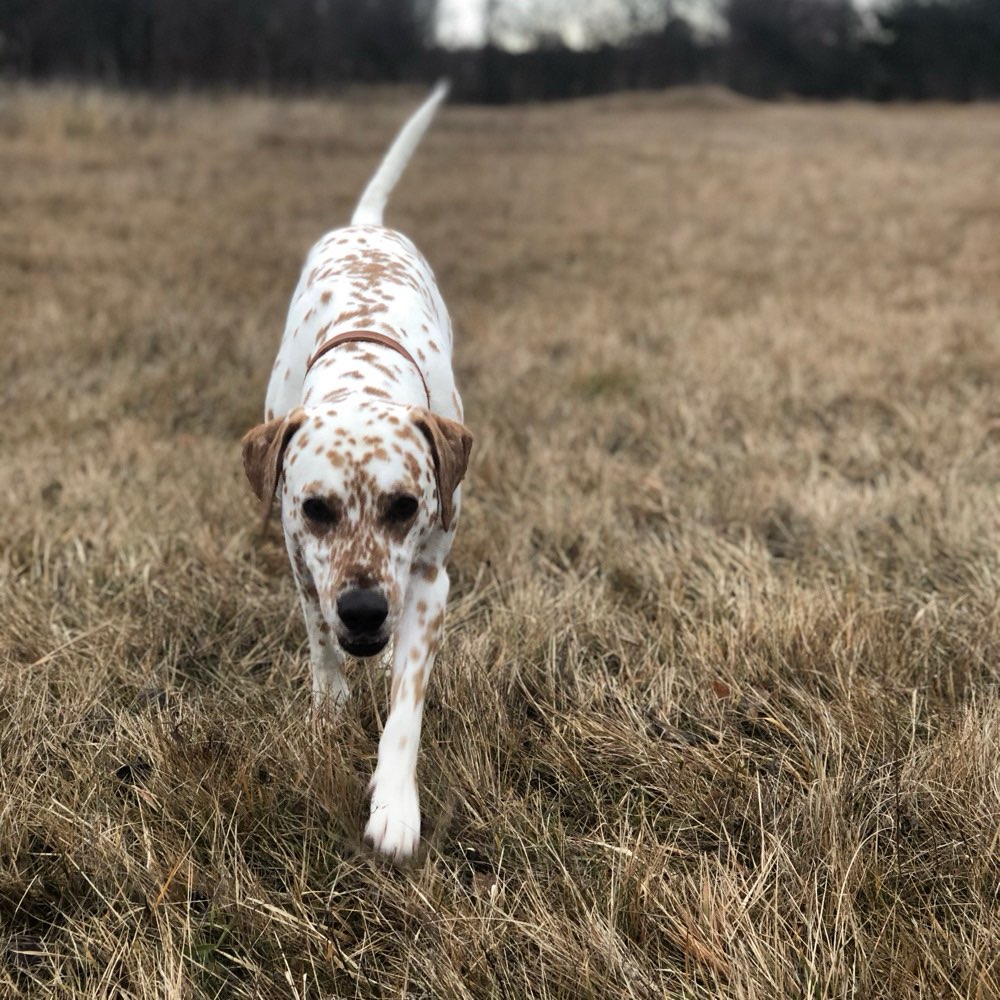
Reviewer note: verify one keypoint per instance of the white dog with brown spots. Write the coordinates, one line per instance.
(364, 447)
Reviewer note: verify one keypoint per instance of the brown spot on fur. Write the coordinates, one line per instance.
(419, 687)
(412, 465)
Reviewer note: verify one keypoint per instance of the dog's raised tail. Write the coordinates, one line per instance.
(372, 203)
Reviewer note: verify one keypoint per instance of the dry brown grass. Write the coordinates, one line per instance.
(717, 713)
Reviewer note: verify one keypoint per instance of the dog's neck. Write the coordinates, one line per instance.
(367, 364)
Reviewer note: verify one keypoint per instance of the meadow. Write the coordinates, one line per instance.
(717, 711)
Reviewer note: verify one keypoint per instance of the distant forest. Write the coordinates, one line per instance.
(900, 49)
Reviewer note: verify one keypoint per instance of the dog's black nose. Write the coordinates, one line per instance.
(362, 610)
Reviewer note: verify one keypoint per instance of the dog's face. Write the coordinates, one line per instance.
(366, 489)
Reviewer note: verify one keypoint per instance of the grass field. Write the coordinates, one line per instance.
(717, 713)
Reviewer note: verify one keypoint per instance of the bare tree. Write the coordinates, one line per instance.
(808, 47)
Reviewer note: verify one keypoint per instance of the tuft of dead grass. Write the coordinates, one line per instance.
(717, 713)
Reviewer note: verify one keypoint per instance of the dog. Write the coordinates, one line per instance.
(364, 447)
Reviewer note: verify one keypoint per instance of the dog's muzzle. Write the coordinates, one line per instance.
(363, 612)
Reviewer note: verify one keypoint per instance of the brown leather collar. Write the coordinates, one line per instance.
(369, 336)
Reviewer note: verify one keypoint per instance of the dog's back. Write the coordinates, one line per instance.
(367, 277)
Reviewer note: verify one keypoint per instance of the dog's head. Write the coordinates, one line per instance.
(366, 491)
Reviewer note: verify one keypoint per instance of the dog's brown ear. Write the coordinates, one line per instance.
(263, 452)
(451, 444)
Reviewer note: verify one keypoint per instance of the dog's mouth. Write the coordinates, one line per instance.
(362, 645)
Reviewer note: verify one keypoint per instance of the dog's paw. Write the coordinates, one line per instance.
(394, 825)
(330, 689)
(328, 702)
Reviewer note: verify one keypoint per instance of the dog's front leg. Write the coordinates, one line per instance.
(327, 658)
(394, 825)
(329, 685)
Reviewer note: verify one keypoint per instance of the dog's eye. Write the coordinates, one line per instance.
(401, 509)
(319, 512)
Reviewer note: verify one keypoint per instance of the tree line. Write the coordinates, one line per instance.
(901, 49)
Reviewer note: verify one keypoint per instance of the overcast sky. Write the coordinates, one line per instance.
(460, 22)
